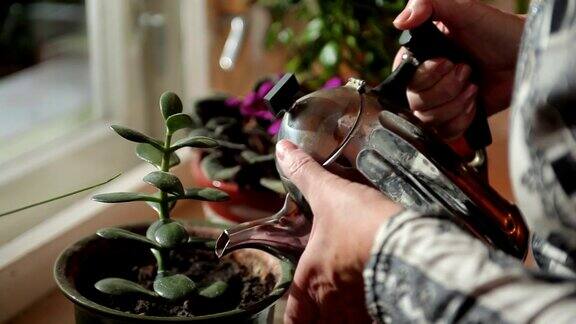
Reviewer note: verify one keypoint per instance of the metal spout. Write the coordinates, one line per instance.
(283, 234)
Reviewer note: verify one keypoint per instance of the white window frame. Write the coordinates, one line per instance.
(26, 262)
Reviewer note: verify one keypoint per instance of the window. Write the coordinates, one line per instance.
(44, 74)
(80, 66)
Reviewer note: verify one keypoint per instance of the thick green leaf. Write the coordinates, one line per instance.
(221, 122)
(253, 157)
(119, 286)
(136, 136)
(170, 235)
(119, 197)
(164, 181)
(113, 233)
(178, 121)
(170, 104)
(206, 194)
(226, 173)
(194, 141)
(200, 132)
(330, 54)
(174, 287)
(214, 290)
(153, 156)
(154, 226)
(215, 170)
(230, 145)
(273, 184)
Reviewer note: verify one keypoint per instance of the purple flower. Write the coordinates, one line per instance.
(333, 82)
(274, 127)
(253, 104)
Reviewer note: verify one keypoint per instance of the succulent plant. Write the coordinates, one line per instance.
(165, 234)
(245, 130)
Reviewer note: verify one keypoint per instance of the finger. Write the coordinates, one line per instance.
(456, 127)
(415, 13)
(305, 173)
(299, 307)
(398, 57)
(454, 14)
(450, 110)
(429, 73)
(445, 90)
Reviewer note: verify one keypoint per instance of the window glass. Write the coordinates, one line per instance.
(44, 73)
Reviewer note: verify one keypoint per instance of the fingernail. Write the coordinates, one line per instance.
(403, 16)
(283, 148)
(463, 72)
(470, 91)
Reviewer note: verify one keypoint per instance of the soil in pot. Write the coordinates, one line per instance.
(201, 265)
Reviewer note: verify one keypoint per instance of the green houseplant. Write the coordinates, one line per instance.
(167, 271)
(325, 38)
(243, 164)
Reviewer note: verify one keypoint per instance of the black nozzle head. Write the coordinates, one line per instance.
(281, 97)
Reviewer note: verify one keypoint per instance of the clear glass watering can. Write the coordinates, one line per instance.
(368, 135)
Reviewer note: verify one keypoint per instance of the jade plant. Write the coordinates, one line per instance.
(166, 234)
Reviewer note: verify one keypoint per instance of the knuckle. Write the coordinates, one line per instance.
(425, 117)
(415, 100)
(298, 166)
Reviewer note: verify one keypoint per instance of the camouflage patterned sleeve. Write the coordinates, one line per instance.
(424, 268)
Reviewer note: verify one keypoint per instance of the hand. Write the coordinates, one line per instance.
(328, 285)
(441, 93)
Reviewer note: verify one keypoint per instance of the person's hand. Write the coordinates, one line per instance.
(441, 93)
(328, 285)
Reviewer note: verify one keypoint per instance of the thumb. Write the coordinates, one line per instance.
(453, 14)
(300, 168)
(414, 14)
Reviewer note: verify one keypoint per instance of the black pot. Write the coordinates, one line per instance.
(73, 275)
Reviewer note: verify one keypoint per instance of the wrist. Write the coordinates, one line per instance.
(370, 226)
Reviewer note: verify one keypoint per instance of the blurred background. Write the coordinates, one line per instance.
(68, 68)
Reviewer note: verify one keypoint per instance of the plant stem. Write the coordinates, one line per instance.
(164, 210)
(160, 257)
(58, 197)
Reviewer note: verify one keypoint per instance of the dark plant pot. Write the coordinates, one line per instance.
(73, 276)
(244, 205)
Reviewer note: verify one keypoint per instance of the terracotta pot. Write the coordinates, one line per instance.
(244, 204)
(74, 277)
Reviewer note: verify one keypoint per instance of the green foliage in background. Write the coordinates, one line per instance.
(325, 38)
(335, 37)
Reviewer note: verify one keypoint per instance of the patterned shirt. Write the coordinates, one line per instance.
(424, 268)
